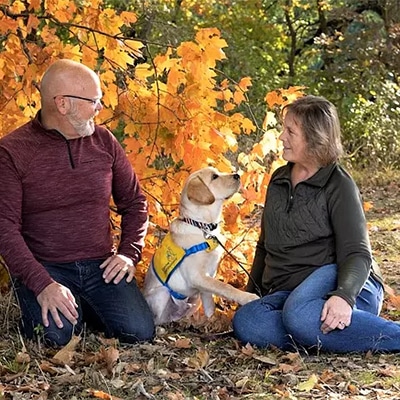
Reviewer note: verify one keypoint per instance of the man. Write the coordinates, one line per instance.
(57, 175)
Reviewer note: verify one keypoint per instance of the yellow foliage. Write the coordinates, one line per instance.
(169, 109)
(34, 5)
(128, 17)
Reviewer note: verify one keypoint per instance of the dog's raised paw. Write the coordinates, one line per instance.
(248, 297)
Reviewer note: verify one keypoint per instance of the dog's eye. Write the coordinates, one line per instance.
(214, 176)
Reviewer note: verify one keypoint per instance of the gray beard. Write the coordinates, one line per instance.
(83, 128)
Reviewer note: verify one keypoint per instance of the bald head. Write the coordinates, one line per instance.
(70, 95)
(67, 77)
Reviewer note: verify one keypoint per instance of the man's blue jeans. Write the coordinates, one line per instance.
(119, 310)
(291, 320)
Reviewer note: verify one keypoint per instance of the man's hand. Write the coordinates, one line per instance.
(57, 298)
(116, 267)
(336, 314)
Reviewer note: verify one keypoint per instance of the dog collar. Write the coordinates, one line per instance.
(201, 225)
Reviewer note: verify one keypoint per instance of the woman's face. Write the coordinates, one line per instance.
(294, 142)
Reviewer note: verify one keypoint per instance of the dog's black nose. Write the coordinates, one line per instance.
(236, 176)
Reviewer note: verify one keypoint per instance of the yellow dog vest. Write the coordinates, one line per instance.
(169, 256)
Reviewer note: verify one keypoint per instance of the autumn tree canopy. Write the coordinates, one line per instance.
(345, 50)
(173, 111)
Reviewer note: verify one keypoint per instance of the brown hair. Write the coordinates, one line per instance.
(320, 124)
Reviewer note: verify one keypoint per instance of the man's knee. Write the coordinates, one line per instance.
(139, 331)
(51, 335)
(58, 337)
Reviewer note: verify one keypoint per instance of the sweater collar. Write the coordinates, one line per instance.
(319, 179)
(52, 133)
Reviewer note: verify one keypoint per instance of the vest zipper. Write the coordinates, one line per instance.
(290, 205)
(290, 199)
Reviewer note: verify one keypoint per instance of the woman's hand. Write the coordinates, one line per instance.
(336, 314)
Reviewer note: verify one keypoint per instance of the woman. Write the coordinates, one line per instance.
(313, 259)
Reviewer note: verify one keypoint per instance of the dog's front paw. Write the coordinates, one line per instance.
(248, 297)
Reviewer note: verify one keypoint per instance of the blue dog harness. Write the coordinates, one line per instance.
(170, 256)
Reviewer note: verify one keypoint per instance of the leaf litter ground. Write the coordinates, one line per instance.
(199, 359)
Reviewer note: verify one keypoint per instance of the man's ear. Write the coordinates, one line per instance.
(62, 104)
(199, 193)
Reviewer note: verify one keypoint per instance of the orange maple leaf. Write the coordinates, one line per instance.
(394, 300)
(367, 205)
(102, 395)
(273, 98)
(231, 213)
(245, 83)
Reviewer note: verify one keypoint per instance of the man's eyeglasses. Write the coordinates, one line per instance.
(93, 101)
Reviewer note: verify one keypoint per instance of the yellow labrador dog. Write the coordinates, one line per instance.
(183, 269)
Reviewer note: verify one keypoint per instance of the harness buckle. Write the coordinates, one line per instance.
(208, 235)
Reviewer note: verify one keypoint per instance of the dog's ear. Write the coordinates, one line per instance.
(199, 193)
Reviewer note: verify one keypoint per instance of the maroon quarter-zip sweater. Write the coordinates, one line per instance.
(55, 196)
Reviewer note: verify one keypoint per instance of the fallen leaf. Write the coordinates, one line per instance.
(66, 354)
(287, 368)
(199, 361)
(102, 395)
(248, 350)
(108, 341)
(395, 301)
(389, 372)
(395, 226)
(45, 366)
(309, 384)
(68, 379)
(367, 205)
(22, 358)
(242, 382)
(118, 383)
(150, 365)
(175, 396)
(292, 357)
(110, 356)
(327, 376)
(132, 367)
(265, 359)
(183, 343)
(353, 389)
(156, 389)
(91, 358)
(204, 357)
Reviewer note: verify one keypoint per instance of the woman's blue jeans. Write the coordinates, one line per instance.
(291, 319)
(119, 310)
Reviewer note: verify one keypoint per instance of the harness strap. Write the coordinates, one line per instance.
(196, 248)
(172, 292)
(191, 250)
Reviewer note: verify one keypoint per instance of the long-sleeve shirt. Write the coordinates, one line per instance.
(55, 200)
(320, 221)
